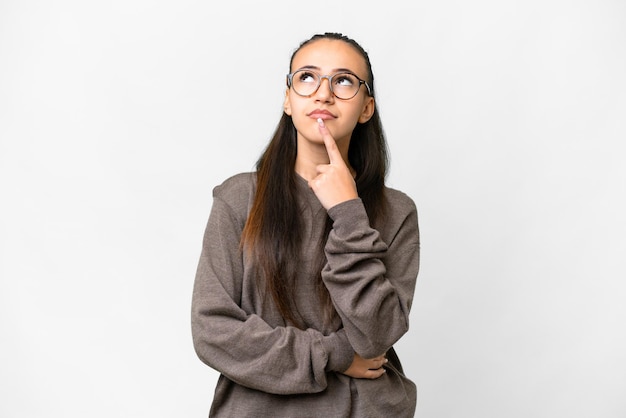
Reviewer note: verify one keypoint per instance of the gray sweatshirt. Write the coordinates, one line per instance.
(271, 369)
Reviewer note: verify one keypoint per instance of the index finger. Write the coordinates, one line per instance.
(331, 146)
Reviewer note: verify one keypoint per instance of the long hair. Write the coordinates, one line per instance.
(272, 233)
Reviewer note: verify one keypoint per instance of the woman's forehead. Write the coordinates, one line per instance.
(329, 55)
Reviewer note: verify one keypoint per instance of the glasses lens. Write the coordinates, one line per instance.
(345, 85)
(305, 82)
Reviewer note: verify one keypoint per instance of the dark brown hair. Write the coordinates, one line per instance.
(272, 234)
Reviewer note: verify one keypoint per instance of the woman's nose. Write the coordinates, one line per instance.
(323, 92)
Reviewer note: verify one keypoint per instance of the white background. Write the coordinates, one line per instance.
(506, 124)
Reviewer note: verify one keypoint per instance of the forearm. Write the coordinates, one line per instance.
(371, 284)
(282, 360)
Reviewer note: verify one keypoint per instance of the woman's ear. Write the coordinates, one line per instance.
(368, 110)
(287, 103)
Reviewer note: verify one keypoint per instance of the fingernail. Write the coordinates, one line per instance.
(320, 121)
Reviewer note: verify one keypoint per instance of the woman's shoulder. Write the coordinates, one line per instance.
(236, 191)
(398, 201)
(401, 214)
(237, 183)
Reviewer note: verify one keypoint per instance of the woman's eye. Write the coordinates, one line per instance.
(345, 80)
(306, 78)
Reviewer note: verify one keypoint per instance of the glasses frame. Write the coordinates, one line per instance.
(330, 83)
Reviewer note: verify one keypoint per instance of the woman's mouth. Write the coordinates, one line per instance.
(321, 114)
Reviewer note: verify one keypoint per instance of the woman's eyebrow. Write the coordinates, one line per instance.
(335, 70)
(342, 70)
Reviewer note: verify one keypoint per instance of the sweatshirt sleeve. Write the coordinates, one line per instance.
(241, 345)
(372, 282)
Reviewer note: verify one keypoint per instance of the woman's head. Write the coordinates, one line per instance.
(330, 76)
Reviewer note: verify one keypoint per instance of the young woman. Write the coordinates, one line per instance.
(308, 265)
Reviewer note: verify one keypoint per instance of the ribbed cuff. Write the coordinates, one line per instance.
(339, 351)
(349, 215)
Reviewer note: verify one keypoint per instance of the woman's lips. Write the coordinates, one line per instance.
(322, 114)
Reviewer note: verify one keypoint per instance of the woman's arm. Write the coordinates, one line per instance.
(372, 283)
(241, 345)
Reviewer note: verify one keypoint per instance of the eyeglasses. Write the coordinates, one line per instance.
(344, 85)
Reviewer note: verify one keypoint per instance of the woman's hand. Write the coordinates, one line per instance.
(334, 182)
(366, 368)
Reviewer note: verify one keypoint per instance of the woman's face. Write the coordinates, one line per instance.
(327, 57)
